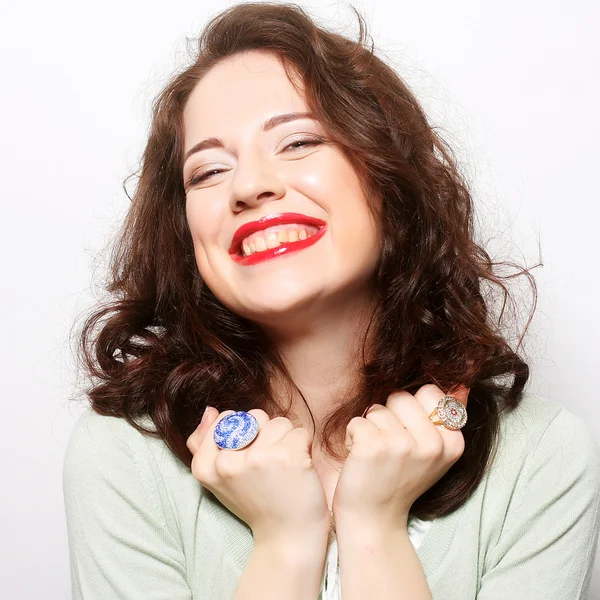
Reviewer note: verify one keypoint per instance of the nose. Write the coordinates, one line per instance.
(255, 182)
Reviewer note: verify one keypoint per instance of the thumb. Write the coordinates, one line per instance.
(208, 418)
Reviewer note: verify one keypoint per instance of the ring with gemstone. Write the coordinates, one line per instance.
(449, 413)
(236, 431)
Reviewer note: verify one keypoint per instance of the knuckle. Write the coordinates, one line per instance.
(430, 388)
(259, 413)
(380, 449)
(355, 421)
(225, 467)
(435, 449)
(303, 432)
(301, 435)
(457, 447)
(280, 419)
(201, 472)
(281, 423)
(397, 396)
(288, 459)
(257, 457)
(306, 463)
(375, 449)
(402, 445)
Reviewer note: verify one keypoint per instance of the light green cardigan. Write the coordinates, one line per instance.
(140, 527)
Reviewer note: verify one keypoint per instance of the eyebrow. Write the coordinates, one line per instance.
(216, 142)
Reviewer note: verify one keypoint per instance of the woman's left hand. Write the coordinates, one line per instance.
(396, 454)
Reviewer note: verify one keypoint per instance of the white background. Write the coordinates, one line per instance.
(513, 85)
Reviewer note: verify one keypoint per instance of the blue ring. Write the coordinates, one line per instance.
(235, 431)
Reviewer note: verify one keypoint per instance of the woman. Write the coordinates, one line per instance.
(299, 258)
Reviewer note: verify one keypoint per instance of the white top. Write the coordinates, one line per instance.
(331, 586)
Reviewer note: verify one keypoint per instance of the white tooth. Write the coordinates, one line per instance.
(272, 241)
(260, 243)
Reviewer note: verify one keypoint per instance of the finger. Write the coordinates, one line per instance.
(195, 439)
(209, 449)
(385, 420)
(273, 431)
(359, 430)
(204, 456)
(411, 414)
(300, 438)
(207, 425)
(429, 396)
(198, 437)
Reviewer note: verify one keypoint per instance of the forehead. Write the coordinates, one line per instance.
(238, 94)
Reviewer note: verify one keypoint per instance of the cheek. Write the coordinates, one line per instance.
(203, 223)
(360, 238)
(199, 241)
(322, 176)
(192, 219)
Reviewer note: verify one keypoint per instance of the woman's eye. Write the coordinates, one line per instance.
(202, 177)
(297, 145)
(303, 142)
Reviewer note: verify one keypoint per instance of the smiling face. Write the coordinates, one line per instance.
(291, 167)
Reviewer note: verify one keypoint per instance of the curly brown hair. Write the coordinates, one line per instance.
(167, 347)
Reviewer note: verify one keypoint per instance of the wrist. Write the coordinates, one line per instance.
(359, 526)
(280, 568)
(298, 552)
(304, 535)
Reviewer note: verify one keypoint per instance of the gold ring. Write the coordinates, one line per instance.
(449, 413)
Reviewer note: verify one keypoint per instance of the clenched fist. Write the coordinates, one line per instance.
(272, 484)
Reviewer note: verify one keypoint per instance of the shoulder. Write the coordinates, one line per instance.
(539, 420)
(111, 466)
(96, 436)
(92, 428)
(126, 537)
(106, 448)
(537, 508)
(541, 443)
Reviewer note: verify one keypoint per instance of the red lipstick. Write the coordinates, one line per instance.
(284, 248)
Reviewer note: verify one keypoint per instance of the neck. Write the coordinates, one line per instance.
(323, 355)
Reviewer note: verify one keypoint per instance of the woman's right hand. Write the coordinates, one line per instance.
(272, 484)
